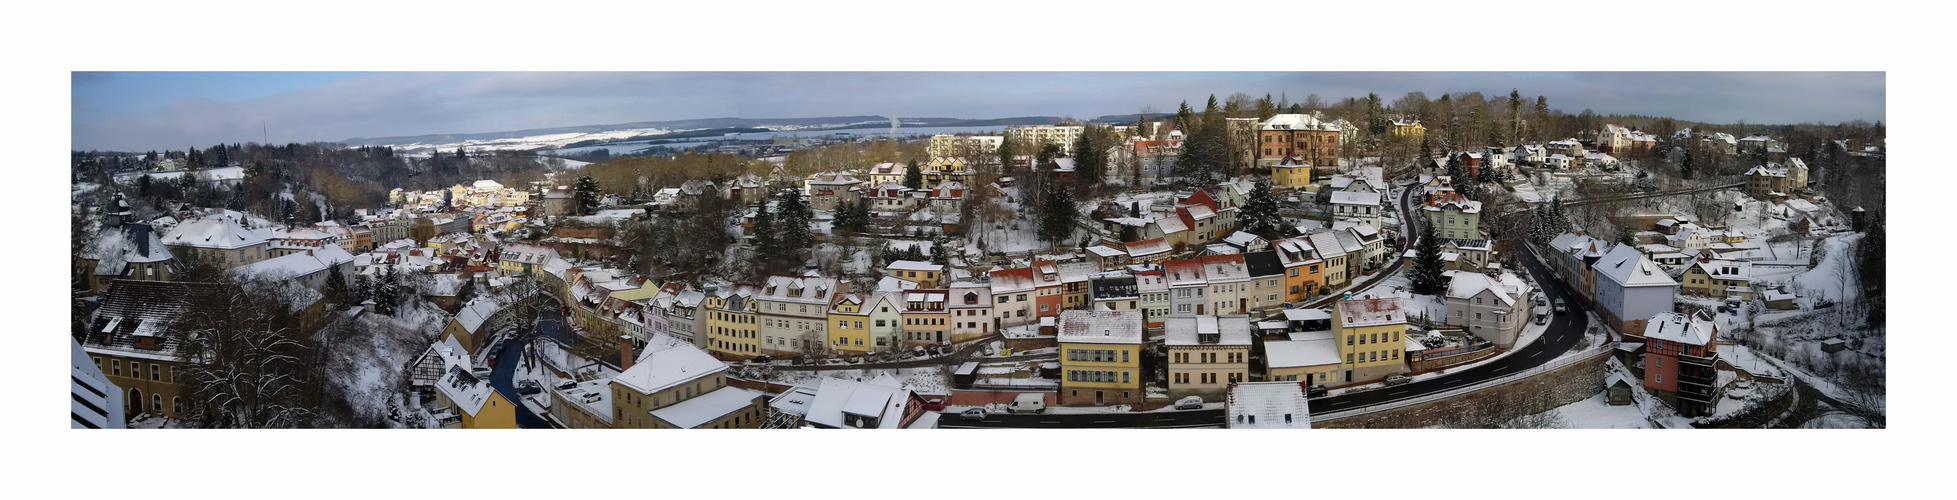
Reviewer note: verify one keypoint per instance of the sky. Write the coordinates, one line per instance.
(139, 111)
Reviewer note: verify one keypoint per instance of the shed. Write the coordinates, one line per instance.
(1619, 390)
(966, 375)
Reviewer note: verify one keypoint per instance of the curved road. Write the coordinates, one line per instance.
(1159, 419)
(1564, 331)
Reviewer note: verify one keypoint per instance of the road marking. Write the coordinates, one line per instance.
(1104, 421)
(1049, 421)
(1164, 419)
(1340, 403)
(1500, 368)
(1396, 393)
(1537, 353)
(1452, 382)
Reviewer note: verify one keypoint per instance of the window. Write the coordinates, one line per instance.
(155, 372)
(1348, 340)
(1660, 377)
(176, 405)
(116, 366)
(1348, 358)
(1124, 375)
(156, 403)
(1124, 356)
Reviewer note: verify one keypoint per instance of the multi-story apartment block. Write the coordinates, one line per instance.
(1369, 331)
(794, 310)
(1680, 358)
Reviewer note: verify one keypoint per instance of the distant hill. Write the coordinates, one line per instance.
(679, 128)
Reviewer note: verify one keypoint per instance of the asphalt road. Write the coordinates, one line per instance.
(1564, 331)
(500, 378)
(1189, 418)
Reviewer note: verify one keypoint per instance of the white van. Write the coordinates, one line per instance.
(1028, 402)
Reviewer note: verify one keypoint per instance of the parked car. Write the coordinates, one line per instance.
(1540, 301)
(480, 372)
(934, 405)
(1190, 403)
(492, 359)
(761, 359)
(1315, 391)
(973, 414)
(528, 387)
(921, 352)
(1397, 379)
(1028, 402)
(567, 385)
(855, 360)
(1542, 319)
(1559, 306)
(800, 360)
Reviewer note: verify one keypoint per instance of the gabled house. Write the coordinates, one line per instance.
(1495, 308)
(1719, 279)
(1680, 361)
(1630, 289)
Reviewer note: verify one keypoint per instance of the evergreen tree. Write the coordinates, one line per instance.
(1457, 175)
(1427, 266)
(1057, 219)
(1426, 150)
(766, 248)
(336, 288)
(1266, 109)
(1685, 164)
(792, 227)
(913, 178)
(587, 190)
(1090, 156)
(1184, 118)
(1006, 153)
(938, 254)
(1260, 213)
(1871, 255)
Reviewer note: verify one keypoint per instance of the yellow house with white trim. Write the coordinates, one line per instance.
(849, 320)
(1100, 357)
(1368, 332)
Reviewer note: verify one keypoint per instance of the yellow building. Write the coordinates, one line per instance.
(925, 274)
(1719, 279)
(1308, 357)
(733, 330)
(1407, 128)
(467, 326)
(849, 330)
(1291, 174)
(587, 405)
(1369, 335)
(1100, 357)
(1206, 354)
(674, 385)
(477, 404)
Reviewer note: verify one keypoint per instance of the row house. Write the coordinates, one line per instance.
(926, 316)
(971, 311)
(1303, 268)
(1571, 256)
(733, 327)
(793, 310)
(1207, 354)
(1100, 360)
(1369, 332)
(1152, 290)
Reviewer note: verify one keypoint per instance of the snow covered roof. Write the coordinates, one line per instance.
(1306, 315)
(1269, 405)
(1240, 239)
(667, 362)
(1299, 353)
(1327, 243)
(1370, 312)
(1225, 268)
(1100, 327)
(1506, 288)
(1355, 198)
(118, 247)
(1231, 329)
(292, 265)
(463, 388)
(1147, 247)
(220, 232)
(1104, 251)
(812, 289)
(1456, 202)
(1677, 327)
(473, 315)
(705, 408)
(1183, 272)
(1725, 269)
(1290, 121)
(1626, 266)
(913, 265)
(847, 404)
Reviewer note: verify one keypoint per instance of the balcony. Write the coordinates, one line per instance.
(1705, 361)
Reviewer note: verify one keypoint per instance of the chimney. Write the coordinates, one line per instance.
(625, 354)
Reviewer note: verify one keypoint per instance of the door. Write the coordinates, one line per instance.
(134, 405)
(1097, 398)
(1243, 305)
(1199, 309)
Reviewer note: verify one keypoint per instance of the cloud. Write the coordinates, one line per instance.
(387, 104)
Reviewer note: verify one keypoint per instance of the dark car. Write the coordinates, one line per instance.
(528, 387)
(567, 385)
(761, 359)
(1315, 391)
(934, 405)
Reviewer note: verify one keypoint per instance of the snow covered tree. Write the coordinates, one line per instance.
(363, 289)
(792, 232)
(766, 247)
(1260, 213)
(1427, 266)
(386, 292)
(244, 362)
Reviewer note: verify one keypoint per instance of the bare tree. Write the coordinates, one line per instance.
(245, 363)
(1865, 392)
